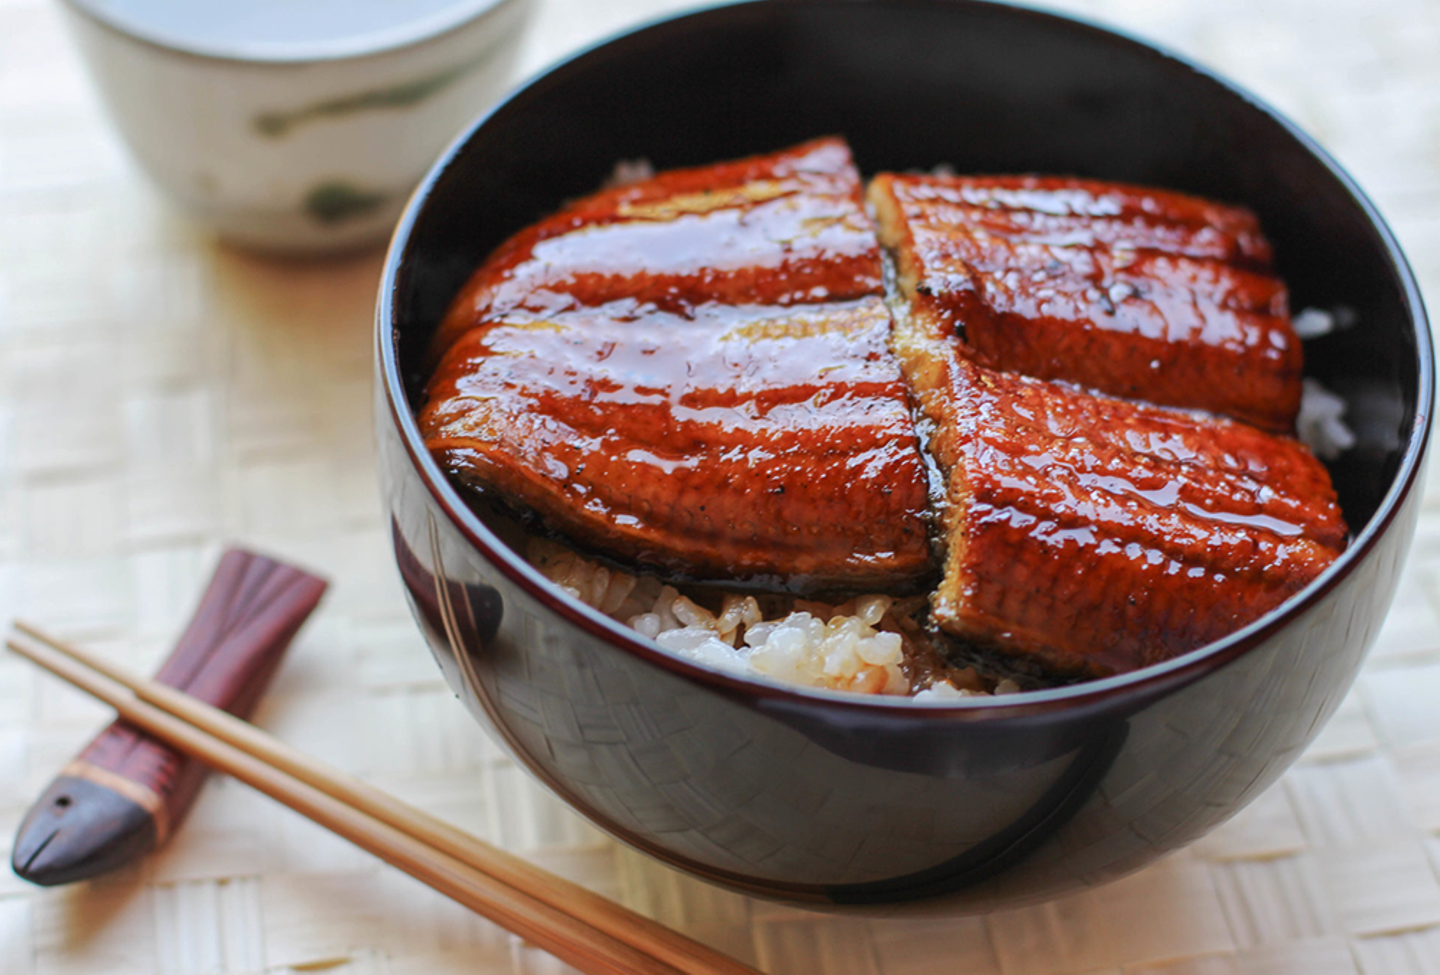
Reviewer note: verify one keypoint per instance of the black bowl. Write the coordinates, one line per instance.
(810, 796)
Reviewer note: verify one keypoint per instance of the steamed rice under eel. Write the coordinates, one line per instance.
(697, 376)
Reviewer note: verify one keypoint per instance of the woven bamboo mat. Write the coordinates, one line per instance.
(161, 394)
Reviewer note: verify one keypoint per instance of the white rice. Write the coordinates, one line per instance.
(1315, 322)
(855, 646)
(1321, 424)
(628, 171)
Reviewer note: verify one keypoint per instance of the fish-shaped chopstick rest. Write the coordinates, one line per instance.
(126, 793)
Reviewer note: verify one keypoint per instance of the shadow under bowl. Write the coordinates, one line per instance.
(892, 806)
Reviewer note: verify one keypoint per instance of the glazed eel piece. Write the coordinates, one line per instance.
(1142, 293)
(691, 375)
(697, 375)
(781, 229)
(1088, 535)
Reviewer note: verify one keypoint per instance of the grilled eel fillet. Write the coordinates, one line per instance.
(691, 374)
(781, 229)
(1142, 293)
(1089, 535)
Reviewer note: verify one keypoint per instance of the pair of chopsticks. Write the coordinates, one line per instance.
(579, 927)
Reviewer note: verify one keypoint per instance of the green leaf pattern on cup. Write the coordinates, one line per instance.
(336, 200)
(278, 124)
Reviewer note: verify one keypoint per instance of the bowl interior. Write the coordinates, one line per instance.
(916, 83)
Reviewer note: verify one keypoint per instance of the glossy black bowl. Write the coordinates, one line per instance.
(826, 800)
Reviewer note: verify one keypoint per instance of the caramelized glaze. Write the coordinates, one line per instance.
(742, 444)
(1090, 535)
(691, 374)
(1140, 293)
(697, 375)
(782, 229)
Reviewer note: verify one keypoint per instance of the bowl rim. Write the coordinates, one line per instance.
(453, 17)
(1156, 678)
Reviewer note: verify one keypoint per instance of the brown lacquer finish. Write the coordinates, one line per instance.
(1142, 293)
(780, 229)
(841, 800)
(691, 374)
(1090, 535)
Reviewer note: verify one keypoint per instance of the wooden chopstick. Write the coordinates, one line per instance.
(576, 925)
(563, 936)
(599, 912)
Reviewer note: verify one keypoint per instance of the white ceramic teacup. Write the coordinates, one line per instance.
(307, 144)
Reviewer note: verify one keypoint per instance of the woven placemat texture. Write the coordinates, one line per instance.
(161, 394)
